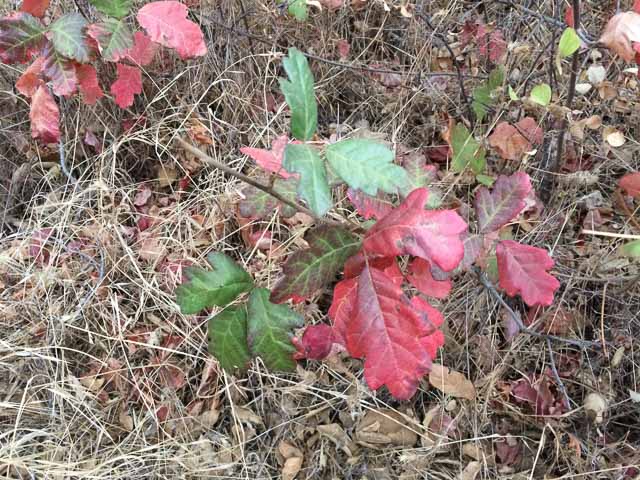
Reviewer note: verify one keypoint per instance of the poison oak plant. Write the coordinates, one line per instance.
(67, 54)
(373, 316)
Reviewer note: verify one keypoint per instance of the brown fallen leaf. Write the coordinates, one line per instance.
(292, 457)
(451, 382)
(385, 427)
(512, 141)
(622, 30)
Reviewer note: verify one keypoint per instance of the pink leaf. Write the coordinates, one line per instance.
(35, 7)
(167, 24)
(368, 206)
(61, 71)
(343, 49)
(128, 84)
(523, 269)
(433, 235)
(421, 277)
(506, 200)
(30, 80)
(270, 160)
(44, 116)
(88, 84)
(620, 34)
(143, 49)
(630, 183)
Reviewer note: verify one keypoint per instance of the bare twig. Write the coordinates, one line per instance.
(486, 283)
(554, 369)
(260, 186)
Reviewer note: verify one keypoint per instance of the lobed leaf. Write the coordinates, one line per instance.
(88, 83)
(433, 235)
(306, 271)
(523, 269)
(313, 186)
(506, 200)
(218, 287)
(466, 150)
(37, 8)
(45, 116)
(60, 71)
(513, 141)
(166, 23)
(143, 50)
(228, 338)
(68, 38)
(113, 8)
(30, 79)
(368, 206)
(298, 92)
(259, 204)
(270, 160)
(269, 331)
(367, 166)
(21, 37)
(114, 38)
(127, 85)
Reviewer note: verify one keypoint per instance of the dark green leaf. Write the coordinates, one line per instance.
(298, 91)
(208, 288)
(466, 150)
(113, 8)
(367, 166)
(259, 204)
(313, 186)
(228, 338)
(21, 37)
(307, 271)
(114, 38)
(269, 331)
(67, 36)
(483, 96)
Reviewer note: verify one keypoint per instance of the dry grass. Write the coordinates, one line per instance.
(101, 377)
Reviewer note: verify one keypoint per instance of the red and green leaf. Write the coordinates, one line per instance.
(307, 271)
(433, 235)
(368, 206)
(21, 37)
(258, 204)
(68, 37)
(44, 116)
(60, 71)
(114, 38)
(523, 269)
(127, 85)
(270, 160)
(506, 200)
(166, 23)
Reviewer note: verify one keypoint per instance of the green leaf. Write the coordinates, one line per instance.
(367, 166)
(485, 180)
(512, 94)
(228, 338)
(307, 271)
(466, 150)
(569, 42)
(269, 331)
(631, 249)
(298, 91)
(113, 8)
(67, 36)
(208, 288)
(297, 8)
(483, 96)
(541, 94)
(259, 204)
(313, 187)
(114, 38)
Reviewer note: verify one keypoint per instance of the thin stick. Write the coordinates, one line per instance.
(554, 369)
(486, 283)
(260, 186)
(625, 236)
(604, 300)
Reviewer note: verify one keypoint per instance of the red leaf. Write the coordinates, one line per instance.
(128, 84)
(88, 84)
(396, 337)
(353, 266)
(35, 7)
(568, 17)
(61, 71)
(44, 116)
(636, 6)
(523, 269)
(512, 141)
(316, 343)
(143, 49)
(621, 32)
(30, 80)
(411, 230)
(270, 160)
(368, 206)
(421, 277)
(506, 200)
(166, 23)
(630, 183)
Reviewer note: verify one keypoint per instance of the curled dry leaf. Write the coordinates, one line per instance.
(451, 382)
(385, 427)
(620, 34)
(596, 406)
(613, 137)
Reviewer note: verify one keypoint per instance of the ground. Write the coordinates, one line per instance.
(102, 377)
